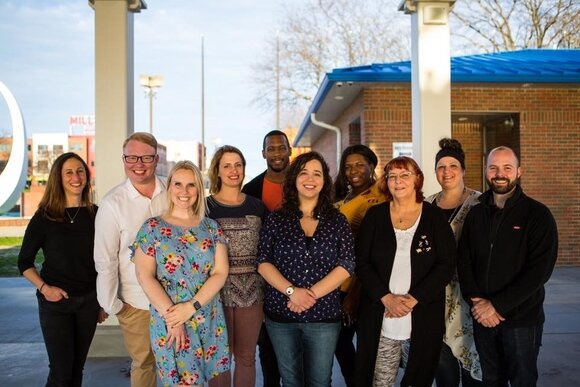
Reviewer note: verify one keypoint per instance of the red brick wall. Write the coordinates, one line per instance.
(326, 145)
(549, 138)
(549, 120)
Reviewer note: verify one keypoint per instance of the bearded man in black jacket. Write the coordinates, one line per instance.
(507, 252)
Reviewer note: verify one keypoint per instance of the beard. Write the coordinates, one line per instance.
(502, 189)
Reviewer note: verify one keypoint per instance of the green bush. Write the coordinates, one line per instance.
(9, 249)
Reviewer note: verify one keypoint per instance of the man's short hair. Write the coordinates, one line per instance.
(503, 148)
(144, 137)
(275, 133)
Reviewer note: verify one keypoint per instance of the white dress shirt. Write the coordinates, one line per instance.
(121, 214)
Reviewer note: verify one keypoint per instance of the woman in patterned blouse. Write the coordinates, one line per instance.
(305, 252)
(240, 217)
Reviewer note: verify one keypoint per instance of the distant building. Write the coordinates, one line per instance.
(44, 148)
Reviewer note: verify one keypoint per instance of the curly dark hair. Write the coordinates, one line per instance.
(341, 183)
(291, 202)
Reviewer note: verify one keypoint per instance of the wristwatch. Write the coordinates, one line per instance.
(290, 290)
(196, 304)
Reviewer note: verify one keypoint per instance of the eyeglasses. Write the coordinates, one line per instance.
(129, 159)
(403, 176)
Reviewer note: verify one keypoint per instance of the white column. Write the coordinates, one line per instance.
(431, 81)
(113, 87)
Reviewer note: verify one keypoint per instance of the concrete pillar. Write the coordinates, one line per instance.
(431, 81)
(114, 98)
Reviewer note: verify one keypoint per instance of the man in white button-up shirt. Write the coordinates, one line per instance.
(121, 214)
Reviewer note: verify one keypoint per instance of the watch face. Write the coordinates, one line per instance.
(289, 290)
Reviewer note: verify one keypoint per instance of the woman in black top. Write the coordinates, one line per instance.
(63, 227)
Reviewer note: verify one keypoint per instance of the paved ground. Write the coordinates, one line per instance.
(23, 360)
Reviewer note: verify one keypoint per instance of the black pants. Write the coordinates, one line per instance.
(268, 359)
(68, 327)
(450, 371)
(345, 353)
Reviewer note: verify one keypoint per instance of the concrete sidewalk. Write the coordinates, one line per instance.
(23, 360)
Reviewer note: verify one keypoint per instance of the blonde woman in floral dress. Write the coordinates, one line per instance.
(459, 360)
(182, 264)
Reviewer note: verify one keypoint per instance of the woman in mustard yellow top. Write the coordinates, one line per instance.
(356, 192)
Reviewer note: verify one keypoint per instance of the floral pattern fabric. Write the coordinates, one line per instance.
(458, 322)
(185, 258)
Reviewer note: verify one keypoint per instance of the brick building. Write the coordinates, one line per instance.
(528, 100)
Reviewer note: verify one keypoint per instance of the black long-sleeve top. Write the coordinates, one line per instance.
(67, 248)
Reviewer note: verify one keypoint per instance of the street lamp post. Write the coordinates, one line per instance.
(151, 83)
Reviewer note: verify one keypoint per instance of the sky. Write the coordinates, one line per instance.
(47, 61)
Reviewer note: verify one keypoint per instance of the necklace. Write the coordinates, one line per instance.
(456, 210)
(453, 214)
(72, 219)
(401, 220)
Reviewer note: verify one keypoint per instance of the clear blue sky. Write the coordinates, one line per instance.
(47, 61)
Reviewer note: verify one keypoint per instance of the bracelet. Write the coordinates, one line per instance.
(41, 286)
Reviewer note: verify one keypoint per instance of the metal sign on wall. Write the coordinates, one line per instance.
(402, 149)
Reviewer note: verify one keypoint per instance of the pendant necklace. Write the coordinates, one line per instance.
(398, 214)
(454, 213)
(462, 200)
(72, 219)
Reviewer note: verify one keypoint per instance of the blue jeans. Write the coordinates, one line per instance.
(68, 327)
(305, 351)
(508, 354)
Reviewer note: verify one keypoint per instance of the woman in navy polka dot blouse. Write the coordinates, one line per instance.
(306, 251)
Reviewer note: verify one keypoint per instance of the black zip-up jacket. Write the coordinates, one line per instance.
(254, 187)
(507, 255)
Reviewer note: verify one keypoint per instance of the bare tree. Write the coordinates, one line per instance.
(321, 35)
(506, 25)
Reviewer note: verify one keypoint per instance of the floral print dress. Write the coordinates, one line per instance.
(185, 258)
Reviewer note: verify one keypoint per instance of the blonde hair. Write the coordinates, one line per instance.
(144, 137)
(199, 206)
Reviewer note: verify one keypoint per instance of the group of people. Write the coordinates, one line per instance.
(449, 287)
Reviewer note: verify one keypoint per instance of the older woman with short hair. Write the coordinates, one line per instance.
(405, 254)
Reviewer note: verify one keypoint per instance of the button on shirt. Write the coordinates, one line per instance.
(121, 214)
(283, 244)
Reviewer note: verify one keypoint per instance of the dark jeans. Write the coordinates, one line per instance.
(68, 327)
(450, 371)
(268, 360)
(345, 353)
(508, 354)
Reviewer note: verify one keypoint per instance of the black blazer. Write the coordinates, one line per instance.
(433, 257)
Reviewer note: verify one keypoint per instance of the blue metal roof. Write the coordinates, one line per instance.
(524, 66)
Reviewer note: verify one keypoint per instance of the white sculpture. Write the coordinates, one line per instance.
(13, 178)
